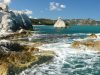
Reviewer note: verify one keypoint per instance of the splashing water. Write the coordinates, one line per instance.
(67, 62)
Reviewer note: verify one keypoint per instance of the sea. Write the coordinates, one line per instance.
(67, 61)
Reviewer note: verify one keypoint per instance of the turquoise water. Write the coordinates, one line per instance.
(68, 61)
(68, 30)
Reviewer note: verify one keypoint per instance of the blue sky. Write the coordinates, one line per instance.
(68, 9)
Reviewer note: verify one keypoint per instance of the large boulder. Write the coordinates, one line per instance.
(21, 20)
(13, 21)
(6, 22)
(92, 36)
(3, 7)
(10, 45)
(87, 44)
(60, 23)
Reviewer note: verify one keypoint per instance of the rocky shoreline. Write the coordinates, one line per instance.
(16, 56)
(90, 43)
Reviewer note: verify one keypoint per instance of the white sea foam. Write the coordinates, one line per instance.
(63, 51)
(68, 61)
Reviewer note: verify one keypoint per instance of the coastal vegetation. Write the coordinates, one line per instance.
(44, 22)
(67, 22)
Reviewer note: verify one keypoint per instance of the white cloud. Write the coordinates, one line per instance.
(56, 6)
(28, 12)
(30, 17)
(6, 1)
(62, 6)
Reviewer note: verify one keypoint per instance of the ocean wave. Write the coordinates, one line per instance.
(67, 62)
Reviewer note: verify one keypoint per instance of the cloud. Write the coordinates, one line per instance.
(62, 6)
(56, 6)
(28, 12)
(7, 1)
(30, 17)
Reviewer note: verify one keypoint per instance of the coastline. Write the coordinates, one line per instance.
(19, 55)
(68, 22)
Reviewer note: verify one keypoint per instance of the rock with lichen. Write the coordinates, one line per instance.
(3, 68)
(92, 36)
(87, 44)
(20, 56)
(16, 35)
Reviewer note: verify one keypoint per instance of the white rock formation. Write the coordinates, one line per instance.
(3, 7)
(60, 23)
(6, 22)
(13, 21)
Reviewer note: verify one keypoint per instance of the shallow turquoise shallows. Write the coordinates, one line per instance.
(43, 29)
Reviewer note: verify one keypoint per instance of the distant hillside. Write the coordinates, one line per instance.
(83, 22)
(68, 22)
(42, 21)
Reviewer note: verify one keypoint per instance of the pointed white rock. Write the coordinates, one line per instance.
(60, 23)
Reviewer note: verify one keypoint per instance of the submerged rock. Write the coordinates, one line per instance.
(76, 44)
(92, 36)
(87, 44)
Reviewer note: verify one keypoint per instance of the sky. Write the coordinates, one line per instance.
(52, 9)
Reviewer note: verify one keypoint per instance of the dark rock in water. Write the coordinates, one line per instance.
(26, 23)
(21, 21)
(16, 21)
(15, 57)
(10, 46)
(18, 61)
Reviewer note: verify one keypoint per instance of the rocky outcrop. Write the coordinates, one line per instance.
(15, 57)
(3, 7)
(13, 20)
(76, 44)
(3, 68)
(16, 35)
(87, 44)
(21, 20)
(60, 23)
(90, 42)
(92, 36)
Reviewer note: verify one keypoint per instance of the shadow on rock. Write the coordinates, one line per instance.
(15, 57)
